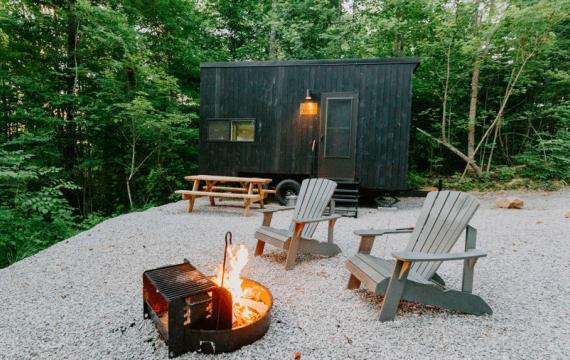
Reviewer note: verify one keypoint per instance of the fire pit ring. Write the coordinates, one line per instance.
(228, 340)
(192, 313)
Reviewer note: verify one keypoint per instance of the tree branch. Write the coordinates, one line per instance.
(456, 151)
(508, 92)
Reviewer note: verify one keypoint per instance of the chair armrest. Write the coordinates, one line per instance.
(368, 236)
(276, 209)
(380, 232)
(418, 256)
(268, 214)
(324, 218)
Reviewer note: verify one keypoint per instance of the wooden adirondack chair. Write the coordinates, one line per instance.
(412, 274)
(312, 200)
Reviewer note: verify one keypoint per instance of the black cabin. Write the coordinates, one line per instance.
(340, 119)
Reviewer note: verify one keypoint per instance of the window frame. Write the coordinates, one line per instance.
(230, 122)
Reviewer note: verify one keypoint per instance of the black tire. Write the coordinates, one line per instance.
(285, 187)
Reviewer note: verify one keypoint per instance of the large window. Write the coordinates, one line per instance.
(235, 130)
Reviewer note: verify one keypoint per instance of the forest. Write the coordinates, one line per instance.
(99, 99)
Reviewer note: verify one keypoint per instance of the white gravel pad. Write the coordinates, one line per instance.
(82, 298)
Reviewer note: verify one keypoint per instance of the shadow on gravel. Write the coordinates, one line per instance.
(405, 308)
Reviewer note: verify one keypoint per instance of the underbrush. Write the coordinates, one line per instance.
(503, 178)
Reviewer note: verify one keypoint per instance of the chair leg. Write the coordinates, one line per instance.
(259, 248)
(292, 253)
(261, 244)
(469, 264)
(353, 282)
(267, 219)
(294, 247)
(394, 292)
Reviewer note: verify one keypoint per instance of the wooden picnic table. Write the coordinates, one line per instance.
(249, 189)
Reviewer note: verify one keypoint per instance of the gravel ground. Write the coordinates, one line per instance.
(81, 299)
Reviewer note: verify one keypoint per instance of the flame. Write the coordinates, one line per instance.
(238, 258)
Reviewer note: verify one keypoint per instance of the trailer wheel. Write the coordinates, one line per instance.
(284, 188)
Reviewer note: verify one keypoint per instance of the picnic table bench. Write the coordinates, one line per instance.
(249, 189)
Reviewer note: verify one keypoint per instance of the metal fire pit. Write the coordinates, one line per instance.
(227, 340)
(191, 313)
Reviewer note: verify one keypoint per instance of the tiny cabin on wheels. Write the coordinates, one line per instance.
(346, 120)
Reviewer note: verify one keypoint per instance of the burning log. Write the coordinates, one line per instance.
(247, 305)
(256, 305)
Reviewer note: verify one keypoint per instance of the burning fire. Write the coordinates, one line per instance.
(243, 303)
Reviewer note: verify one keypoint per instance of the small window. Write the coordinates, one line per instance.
(243, 130)
(235, 130)
(218, 130)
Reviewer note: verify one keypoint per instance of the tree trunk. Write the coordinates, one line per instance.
(445, 95)
(69, 129)
(473, 110)
(132, 166)
(69, 133)
(474, 90)
(129, 193)
(273, 32)
(397, 45)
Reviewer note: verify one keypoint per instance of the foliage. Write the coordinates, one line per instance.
(33, 210)
(99, 99)
(98, 107)
(552, 160)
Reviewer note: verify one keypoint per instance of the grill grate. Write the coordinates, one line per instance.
(179, 281)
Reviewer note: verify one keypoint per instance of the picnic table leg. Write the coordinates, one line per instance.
(261, 196)
(196, 185)
(247, 202)
(192, 198)
(247, 205)
(209, 186)
(191, 203)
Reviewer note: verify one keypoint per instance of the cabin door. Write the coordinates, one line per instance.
(337, 150)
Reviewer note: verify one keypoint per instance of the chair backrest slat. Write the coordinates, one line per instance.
(444, 216)
(312, 200)
(450, 237)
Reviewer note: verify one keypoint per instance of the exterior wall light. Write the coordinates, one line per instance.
(309, 106)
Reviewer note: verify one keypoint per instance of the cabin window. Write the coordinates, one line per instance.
(243, 130)
(234, 130)
(219, 130)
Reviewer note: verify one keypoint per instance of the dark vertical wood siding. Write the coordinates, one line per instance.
(271, 93)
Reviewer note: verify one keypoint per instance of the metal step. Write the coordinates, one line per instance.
(345, 198)
(345, 201)
(346, 191)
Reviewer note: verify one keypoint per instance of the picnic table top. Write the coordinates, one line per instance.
(228, 179)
